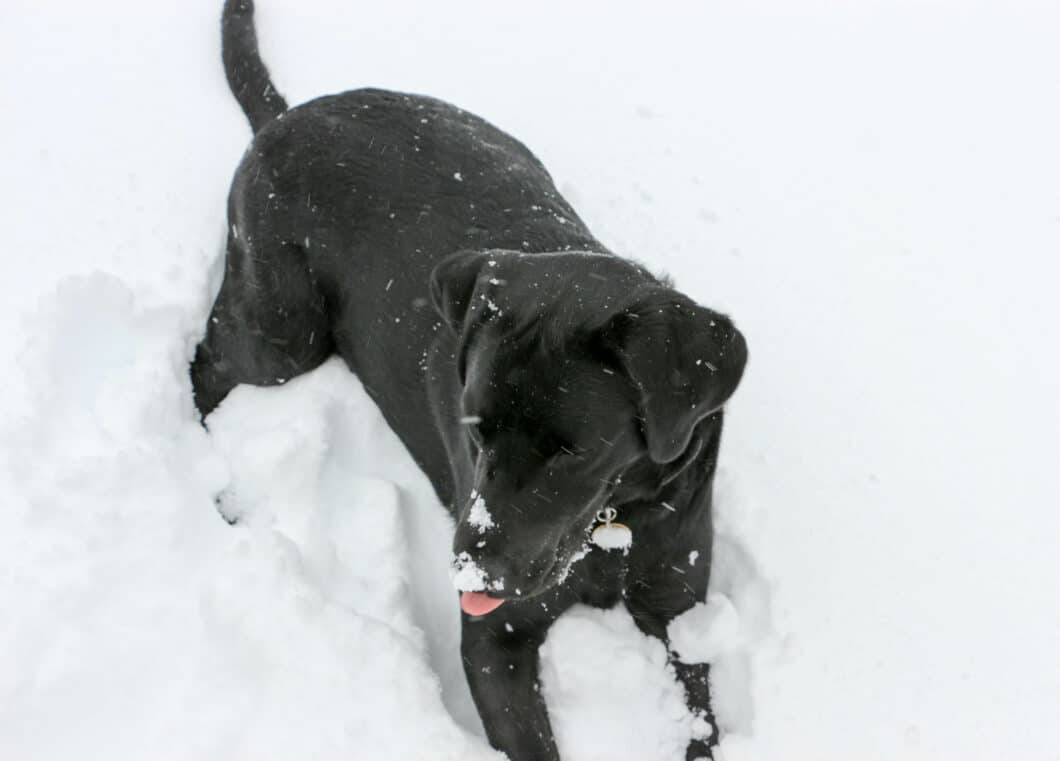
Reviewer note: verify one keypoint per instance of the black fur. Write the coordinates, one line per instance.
(247, 76)
(518, 359)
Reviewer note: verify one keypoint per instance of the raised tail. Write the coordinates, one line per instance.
(247, 76)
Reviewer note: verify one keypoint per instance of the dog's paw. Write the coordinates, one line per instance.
(703, 745)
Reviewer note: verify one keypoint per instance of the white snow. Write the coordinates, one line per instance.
(604, 697)
(467, 576)
(479, 515)
(870, 190)
(707, 631)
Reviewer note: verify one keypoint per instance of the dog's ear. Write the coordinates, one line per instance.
(452, 284)
(684, 359)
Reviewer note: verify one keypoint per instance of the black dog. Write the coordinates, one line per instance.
(542, 383)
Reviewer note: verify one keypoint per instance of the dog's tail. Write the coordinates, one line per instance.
(247, 76)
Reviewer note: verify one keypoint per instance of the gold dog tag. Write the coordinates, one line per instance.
(612, 536)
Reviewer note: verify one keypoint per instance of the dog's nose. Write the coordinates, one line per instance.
(493, 549)
(480, 570)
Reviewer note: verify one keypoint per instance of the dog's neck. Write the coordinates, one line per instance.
(654, 492)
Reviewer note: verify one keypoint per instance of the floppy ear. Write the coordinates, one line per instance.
(685, 360)
(452, 283)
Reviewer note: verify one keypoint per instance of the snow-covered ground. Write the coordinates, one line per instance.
(872, 189)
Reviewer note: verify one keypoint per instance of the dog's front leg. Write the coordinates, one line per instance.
(654, 600)
(501, 664)
(696, 680)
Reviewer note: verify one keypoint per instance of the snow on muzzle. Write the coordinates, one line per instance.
(489, 565)
(471, 581)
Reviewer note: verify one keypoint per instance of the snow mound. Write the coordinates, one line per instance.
(135, 615)
(316, 625)
(610, 692)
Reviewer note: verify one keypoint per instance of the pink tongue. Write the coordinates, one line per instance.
(478, 604)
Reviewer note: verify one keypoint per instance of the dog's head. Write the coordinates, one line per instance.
(575, 368)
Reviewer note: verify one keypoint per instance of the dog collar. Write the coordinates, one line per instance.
(609, 535)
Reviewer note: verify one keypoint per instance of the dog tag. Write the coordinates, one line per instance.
(612, 536)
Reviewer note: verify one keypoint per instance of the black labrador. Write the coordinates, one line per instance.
(565, 403)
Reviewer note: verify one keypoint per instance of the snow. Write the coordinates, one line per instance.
(626, 672)
(870, 189)
(479, 515)
(709, 630)
(468, 576)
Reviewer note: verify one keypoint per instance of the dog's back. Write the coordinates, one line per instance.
(340, 209)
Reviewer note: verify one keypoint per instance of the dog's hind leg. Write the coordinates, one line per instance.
(268, 324)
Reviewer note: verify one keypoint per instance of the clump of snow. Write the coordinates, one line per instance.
(492, 305)
(610, 691)
(706, 631)
(467, 576)
(479, 515)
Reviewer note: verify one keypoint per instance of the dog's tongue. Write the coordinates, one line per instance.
(478, 604)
